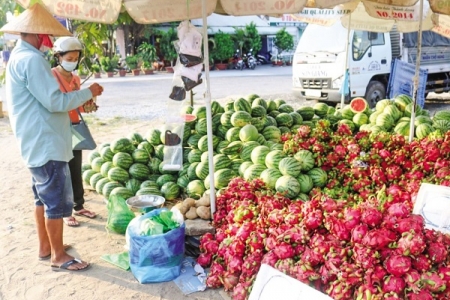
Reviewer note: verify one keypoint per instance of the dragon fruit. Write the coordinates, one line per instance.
(313, 219)
(234, 264)
(285, 265)
(398, 265)
(214, 281)
(352, 217)
(413, 222)
(421, 263)
(270, 258)
(433, 282)
(378, 238)
(245, 230)
(371, 216)
(216, 268)
(359, 232)
(204, 259)
(390, 296)
(411, 243)
(399, 210)
(229, 280)
(365, 292)
(211, 246)
(237, 247)
(394, 284)
(351, 274)
(313, 257)
(421, 295)
(365, 257)
(339, 290)
(252, 263)
(437, 252)
(444, 272)
(304, 272)
(240, 292)
(413, 281)
(284, 250)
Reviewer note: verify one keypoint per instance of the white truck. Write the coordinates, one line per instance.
(318, 65)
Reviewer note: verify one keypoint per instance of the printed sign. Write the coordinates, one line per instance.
(272, 284)
(433, 204)
(401, 81)
(442, 25)
(390, 12)
(261, 7)
(324, 17)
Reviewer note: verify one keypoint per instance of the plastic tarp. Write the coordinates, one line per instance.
(429, 39)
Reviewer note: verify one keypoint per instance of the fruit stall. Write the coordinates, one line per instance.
(322, 194)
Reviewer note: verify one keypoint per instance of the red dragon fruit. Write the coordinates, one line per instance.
(421, 295)
(413, 222)
(352, 217)
(240, 292)
(284, 250)
(244, 231)
(365, 292)
(413, 281)
(433, 282)
(304, 272)
(378, 238)
(375, 275)
(229, 280)
(285, 265)
(211, 246)
(327, 275)
(216, 268)
(252, 263)
(214, 281)
(204, 259)
(270, 258)
(313, 219)
(421, 263)
(339, 290)
(313, 257)
(437, 252)
(399, 210)
(398, 265)
(234, 264)
(371, 216)
(359, 232)
(444, 272)
(411, 243)
(390, 296)
(365, 257)
(237, 247)
(394, 284)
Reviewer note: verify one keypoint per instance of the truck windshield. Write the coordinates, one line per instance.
(318, 38)
(361, 42)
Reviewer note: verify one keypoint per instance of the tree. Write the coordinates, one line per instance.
(224, 47)
(5, 7)
(166, 46)
(239, 38)
(284, 40)
(253, 39)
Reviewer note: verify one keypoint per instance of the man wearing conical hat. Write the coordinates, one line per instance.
(38, 113)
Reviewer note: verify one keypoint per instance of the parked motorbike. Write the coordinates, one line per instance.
(248, 61)
(236, 59)
(261, 59)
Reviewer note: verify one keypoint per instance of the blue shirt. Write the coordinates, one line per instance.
(37, 109)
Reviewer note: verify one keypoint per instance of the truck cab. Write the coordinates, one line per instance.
(320, 57)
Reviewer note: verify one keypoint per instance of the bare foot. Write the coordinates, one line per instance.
(44, 254)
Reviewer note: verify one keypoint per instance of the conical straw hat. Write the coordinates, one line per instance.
(38, 20)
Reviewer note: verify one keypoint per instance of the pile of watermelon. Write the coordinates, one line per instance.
(248, 135)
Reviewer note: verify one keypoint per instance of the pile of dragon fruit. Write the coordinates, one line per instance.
(356, 238)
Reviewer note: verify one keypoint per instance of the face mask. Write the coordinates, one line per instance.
(69, 66)
(44, 42)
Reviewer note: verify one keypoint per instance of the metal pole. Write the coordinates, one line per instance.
(212, 193)
(346, 59)
(416, 75)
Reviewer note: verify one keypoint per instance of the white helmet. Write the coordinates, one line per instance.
(67, 44)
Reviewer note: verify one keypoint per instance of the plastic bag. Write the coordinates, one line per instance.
(155, 258)
(151, 227)
(119, 215)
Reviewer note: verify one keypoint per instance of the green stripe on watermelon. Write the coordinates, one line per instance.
(288, 186)
(254, 171)
(244, 166)
(223, 177)
(306, 183)
(319, 177)
(105, 168)
(122, 192)
(306, 160)
(270, 177)
(86, 176)
(149, 191)
(139, 171)
(170, 190)
(133, 185)
(240, 118)
(97, 164)
(149, 183)
(247, 149)
(100, 184)
(140, 156)
(108, 187)
(118, 174)
(93, 154)
(121, 145)
(221, 161)
(195, 189)
(106, 154)
(94, 179)
(258, 155)
(135, 138)
(242, 105)
(122, 160)
(289, 166)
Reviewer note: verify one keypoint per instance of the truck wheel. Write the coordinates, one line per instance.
(376, 91)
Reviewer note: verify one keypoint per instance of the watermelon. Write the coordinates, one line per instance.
(221, 131)
(199, 112)
(289, 166)
(270, 177)
(402, 101)
(222, 145)
(194, 156)
(191, 171)
(360, 119)
(284, 130)
(303, 197)
(242, 105)
(297, 118)
(225, 118)
(195, 189)
(234, 148)
(385, 121)
(165, 178)
(358, 105)
(170, 190)
(233, 134)
(348, 123)
(122, 192)
(258, 155)
(271, 106)
(101, 146)
(105, 168)
(118, 174)
(153, 165)
(140, 156)
(122, 160)
(442, 115)
(285, 108)
(247, 149)
(258, 111)
(92, 155)
(306, 183)
(248, 133)
(287, 186)
(97, 164)
(236, 164)
(373, 117)
(94, 179)
(149, 183)
(408, 110)
(121, 145)
(147, 147)
(135, 138)
(240, 118)
(260, 102)
(261, 139)
(159, 152)
(108, 187)
(229, 106)
(221, 161)
(183, 181)
(189, 120)
(320, 109)
(347, 113)
(306, 160)
(259, 123)
(85, 167)
(421, 120)
(205, 155)
(86, 176)
(216, 108)
(423, 130)
(244, 166)
(393, 111)
(284, 119)
(223, 177)
(274, 113)
(441, 125)
(318, 176)
(106, 154)
(273, 158)
(202, 170)
(201, 127)
(149, 191)
(272, 133)
(306, 112)
(278, 102)
(203, 143)
(253, 172)
(381, 105)
(139, 171)
(270, 121)
(133, 185)
(250, 98)
(402, 128)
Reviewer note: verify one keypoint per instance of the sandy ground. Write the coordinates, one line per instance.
(22, 276)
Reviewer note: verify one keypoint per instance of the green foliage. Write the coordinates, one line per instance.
(95, 68)
(224, 47)
(5, 7)
(109, 64)
(283, 40)
(132, 61)
(166, 45)
(146, 65)
(147, 52)
(253, 40)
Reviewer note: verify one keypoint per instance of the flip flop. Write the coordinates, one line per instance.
(72, 220)
(85, 213)
(47, 257)
(65, 266)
